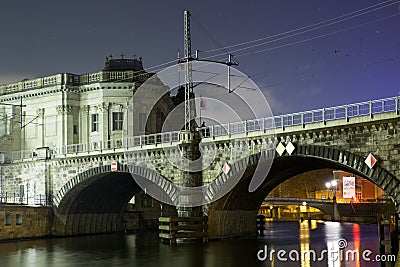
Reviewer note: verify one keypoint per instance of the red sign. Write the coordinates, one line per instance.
(114, 166)
(370, 161)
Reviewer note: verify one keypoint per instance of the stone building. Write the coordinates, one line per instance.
(64, 109)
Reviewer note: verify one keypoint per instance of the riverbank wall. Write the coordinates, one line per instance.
(24, 222)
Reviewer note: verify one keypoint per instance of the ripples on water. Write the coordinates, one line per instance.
(144, 249)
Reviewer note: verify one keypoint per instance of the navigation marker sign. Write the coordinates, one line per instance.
(226, 168)
(114, 166)
(370, 161)
(280, 149)
(290, 148)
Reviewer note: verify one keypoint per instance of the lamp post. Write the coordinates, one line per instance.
(334, 184)
(328, 185)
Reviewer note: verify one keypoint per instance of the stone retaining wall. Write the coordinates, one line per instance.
(19, 222)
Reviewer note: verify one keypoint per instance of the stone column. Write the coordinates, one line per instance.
(65, 112)
(84, 124)
(190, 151)
(104, 122)
(41, 134)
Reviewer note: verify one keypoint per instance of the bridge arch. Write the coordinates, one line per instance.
(327, 207)
(94, 201)
(235, 213)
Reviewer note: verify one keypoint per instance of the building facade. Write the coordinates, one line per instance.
(64, 109)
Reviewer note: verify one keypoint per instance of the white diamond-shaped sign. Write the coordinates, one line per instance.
(226, 168)
(280, 149)
(370, 161)
(290, 148)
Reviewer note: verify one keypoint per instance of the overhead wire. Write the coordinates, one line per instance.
(331, 21)
(319, 36)
(327, 22)
(285, 37)
(312, 25)
(323, 24)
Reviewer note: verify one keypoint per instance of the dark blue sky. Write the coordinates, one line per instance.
(44, 37)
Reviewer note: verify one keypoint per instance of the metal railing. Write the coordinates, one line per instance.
(24, 199)
(295, 200)
(369, 108)
(120, 143)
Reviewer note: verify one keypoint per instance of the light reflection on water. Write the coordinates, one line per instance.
(144, 249)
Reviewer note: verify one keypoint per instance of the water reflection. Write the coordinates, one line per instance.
(357, 247)
(144, 249)
(333, 235)
(305, 251)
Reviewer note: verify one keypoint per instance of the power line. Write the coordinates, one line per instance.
(312, 25)
(363, 11)
(319, 36)
(322, 24)
(285, 37)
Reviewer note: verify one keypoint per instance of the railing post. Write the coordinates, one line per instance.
(397, 104)
(282, 123)
(323, 116)
(346, 111)
(229, 129)
(370, 109)
(303, 123)
(245, 127)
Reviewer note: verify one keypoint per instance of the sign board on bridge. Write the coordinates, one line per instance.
(114, 166)
(349, 187)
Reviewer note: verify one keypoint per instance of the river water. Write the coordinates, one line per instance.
(292, 239)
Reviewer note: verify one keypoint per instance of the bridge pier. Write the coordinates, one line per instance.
(191, 151)
(190, 223)
(336, 213)
(231, 223)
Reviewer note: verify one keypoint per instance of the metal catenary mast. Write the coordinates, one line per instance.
(188, 70)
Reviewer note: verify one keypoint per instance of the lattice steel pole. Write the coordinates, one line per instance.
(188, 70)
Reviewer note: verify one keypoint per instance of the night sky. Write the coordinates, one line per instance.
(354, 60)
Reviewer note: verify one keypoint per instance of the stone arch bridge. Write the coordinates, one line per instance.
(89, 198)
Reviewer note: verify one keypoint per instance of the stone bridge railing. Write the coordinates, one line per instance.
(295, 200)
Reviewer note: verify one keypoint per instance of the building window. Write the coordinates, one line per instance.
(117, 118)
(8, 219)
(75, 129)
(18, 219)
(95, 122)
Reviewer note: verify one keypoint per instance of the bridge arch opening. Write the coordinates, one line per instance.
(235, 213)
(96, 202)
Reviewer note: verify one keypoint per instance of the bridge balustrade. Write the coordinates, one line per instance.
(369, 108)
(24, 199)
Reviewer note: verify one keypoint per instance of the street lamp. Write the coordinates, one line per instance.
(328, 185)
(334, 184)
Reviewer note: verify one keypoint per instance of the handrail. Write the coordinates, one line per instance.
(367, 108)
(297, 200)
